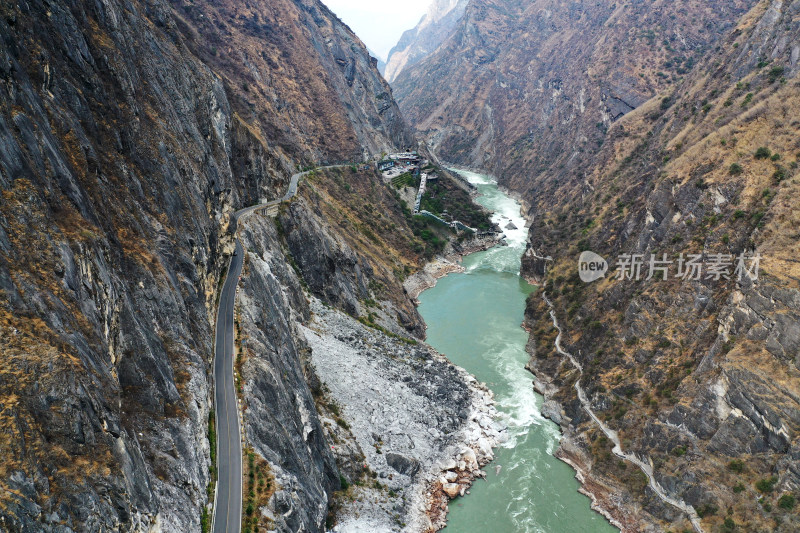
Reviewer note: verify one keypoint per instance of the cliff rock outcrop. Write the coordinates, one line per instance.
(129, 132)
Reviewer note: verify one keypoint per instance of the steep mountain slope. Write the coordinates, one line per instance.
(299, 75)
(129, 132)
(699, 376)
(528, 89)
(416, 44)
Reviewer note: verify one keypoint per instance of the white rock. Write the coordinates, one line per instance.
(484, 446)
(469, 456)
(451, 489)
(449, 464)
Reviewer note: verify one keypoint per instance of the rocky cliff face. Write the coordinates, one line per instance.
(527, 90)
(281, 422)
(418, 43)
(698, 376)
(129, 131)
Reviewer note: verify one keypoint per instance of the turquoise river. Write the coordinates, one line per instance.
(475, 319)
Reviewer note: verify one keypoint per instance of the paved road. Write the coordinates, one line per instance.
(228, 504)
(292, 190)
(228, 498)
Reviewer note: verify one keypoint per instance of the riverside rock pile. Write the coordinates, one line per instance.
(424, 426)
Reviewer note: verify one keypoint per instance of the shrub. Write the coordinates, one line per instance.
(775, 73)
(664, 343)
(205, 521)
(767, 485)
(787, 501)
(728, 525)
(776, 157)
(735, 169)
(779, 175)
(679, 451)
(343, 482)
(738, 488)
(706, 509)
(763, 153)
(726, 348)
(737, 465)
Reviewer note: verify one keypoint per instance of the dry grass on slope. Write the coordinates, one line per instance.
(369, 217)
(757, 155)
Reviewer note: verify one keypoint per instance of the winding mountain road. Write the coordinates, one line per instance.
(228, 495)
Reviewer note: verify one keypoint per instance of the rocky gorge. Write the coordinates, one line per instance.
(132, 130)
(370, 417)
(535, 85)
(698, 377)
